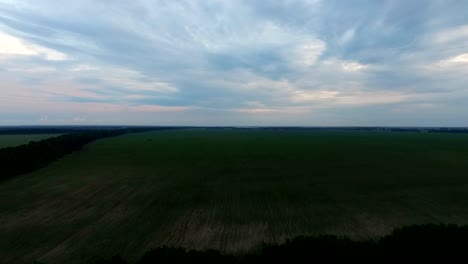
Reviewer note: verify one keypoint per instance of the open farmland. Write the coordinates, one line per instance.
(16, 140)
(230, 190)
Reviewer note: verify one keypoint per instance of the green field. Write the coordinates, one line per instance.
(230, 190)
(16, 140)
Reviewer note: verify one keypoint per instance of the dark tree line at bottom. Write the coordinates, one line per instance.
(427, 242)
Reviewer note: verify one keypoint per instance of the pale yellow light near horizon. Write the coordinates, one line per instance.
(462, 58)
(11, 45)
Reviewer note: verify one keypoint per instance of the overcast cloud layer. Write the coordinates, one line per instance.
(243, 62)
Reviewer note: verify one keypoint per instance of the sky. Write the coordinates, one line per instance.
(239, 62)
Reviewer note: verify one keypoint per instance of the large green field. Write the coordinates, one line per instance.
(230, 190)
(16, 140)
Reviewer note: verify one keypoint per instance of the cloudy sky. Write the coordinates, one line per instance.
(239, 62)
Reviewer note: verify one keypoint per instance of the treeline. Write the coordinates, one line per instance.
(22, 159)
(419, 242)
(368, 129)
(26, 130)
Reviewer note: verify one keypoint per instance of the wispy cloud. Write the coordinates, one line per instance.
(300, 62)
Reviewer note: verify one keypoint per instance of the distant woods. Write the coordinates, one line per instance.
(421, 242)
(22, 159)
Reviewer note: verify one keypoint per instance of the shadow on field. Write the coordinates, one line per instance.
(421, 242)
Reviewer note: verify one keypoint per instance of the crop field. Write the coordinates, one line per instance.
(230, 190)
(16, 140)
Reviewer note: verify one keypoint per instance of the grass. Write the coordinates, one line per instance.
(16, 140)
(231, 191)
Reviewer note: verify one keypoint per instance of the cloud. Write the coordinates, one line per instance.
(234, 62)
(79, 119)
(457, 60)
(14, 46)
(307, 53)
(347, 36)
(157, 108)
(305, 96)
(454, 34)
